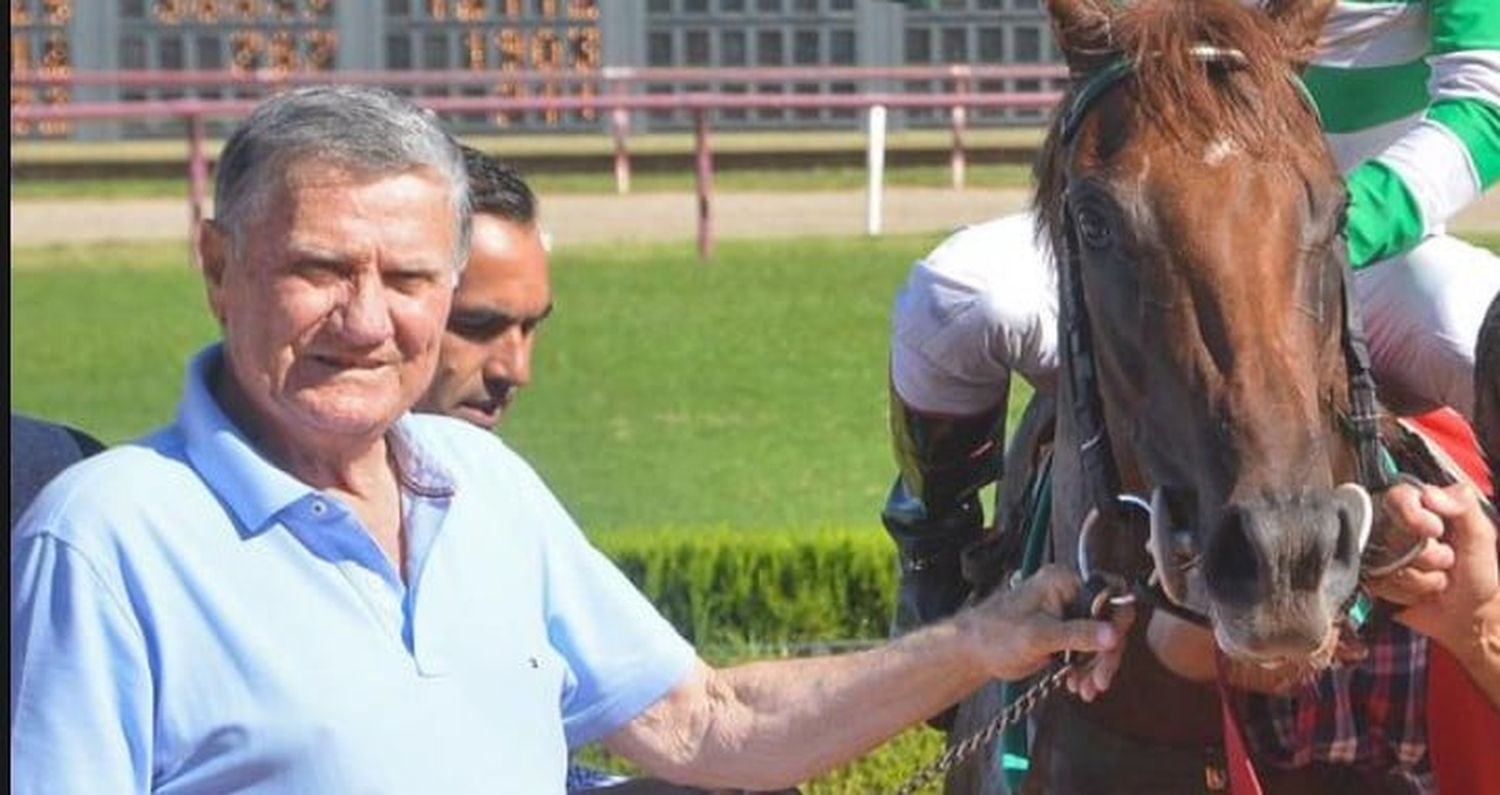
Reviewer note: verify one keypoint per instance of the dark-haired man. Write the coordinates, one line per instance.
(502, 297)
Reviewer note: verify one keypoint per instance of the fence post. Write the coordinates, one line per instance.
(619, 123)
(959, 119)
(875, 168)
(197, 172)
(705, 176)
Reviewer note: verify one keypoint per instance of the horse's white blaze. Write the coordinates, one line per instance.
(1221, 149)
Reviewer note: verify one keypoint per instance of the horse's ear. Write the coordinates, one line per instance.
(1299, 23)
(1082, 31)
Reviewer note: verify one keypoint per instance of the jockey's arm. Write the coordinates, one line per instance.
(1443, 164)
(773, 724)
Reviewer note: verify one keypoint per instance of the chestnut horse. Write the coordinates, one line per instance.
(1212, 367)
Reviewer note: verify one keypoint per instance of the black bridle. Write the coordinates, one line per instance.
(1096, 455)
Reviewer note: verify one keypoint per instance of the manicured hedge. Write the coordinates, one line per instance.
(728, 589)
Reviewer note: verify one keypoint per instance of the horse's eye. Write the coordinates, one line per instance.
(1093, 228)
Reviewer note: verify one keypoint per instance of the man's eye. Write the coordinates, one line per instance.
(410, 281)
(476, 327)
(317, 270)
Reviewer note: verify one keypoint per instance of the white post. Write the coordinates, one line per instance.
(875, 164)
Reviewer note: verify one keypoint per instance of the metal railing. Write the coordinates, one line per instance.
(618, 103)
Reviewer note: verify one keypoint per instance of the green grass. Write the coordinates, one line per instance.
(748, 392)
(1489, 240)
(808, 179)
(100, 335)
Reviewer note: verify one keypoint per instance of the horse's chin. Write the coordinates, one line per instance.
(1280, 675)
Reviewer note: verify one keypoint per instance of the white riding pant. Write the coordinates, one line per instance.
(983, 304)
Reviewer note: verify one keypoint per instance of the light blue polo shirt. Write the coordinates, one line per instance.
(185, 617)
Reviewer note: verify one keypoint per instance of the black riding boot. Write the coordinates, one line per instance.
(932, 585)
(933, 511)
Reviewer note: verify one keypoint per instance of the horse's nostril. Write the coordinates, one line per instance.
(1232, 569)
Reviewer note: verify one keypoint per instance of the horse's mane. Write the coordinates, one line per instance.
(1190, 100)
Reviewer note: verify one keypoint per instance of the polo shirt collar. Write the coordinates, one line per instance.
(422, 470)
(254, 489)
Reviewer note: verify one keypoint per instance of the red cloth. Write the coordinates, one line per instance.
(1447, 429)
(1238, 768)
(1463, 728)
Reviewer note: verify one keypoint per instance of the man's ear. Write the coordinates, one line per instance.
(1082, 29)
(211, 249)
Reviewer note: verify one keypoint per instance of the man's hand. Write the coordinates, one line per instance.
(1427, 573)
(1014, 632)
(1458, 572)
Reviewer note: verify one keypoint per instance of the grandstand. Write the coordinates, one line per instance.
(529, 48)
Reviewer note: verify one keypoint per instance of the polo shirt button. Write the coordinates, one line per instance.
(319, 507)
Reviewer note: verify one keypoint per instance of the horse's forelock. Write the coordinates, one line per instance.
(1189, 98)
(1176, 92)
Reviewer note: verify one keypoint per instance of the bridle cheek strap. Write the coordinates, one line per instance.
(1096, 454)
(1364, 407)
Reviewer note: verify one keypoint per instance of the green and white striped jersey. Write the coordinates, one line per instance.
(1410, 96)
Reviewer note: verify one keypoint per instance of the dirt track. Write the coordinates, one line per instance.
(577, 219)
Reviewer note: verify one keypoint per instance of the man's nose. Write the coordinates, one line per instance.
(510, 358)
(367, 313)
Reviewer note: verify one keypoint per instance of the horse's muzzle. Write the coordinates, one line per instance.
(1272, 571)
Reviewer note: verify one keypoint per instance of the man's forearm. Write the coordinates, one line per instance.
(1479, 651)
(774, 724)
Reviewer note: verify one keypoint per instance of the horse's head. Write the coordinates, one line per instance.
(1189, 196)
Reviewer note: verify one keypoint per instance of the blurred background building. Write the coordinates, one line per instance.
(560, 44)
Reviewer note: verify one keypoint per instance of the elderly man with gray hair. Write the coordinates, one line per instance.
(298, 585)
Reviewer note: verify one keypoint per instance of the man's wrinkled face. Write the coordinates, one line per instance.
(333, 307)
(502, 298)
